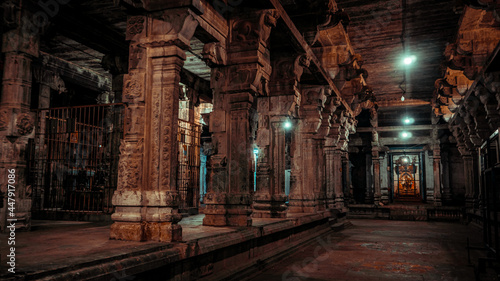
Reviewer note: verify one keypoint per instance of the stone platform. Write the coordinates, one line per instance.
(407, 212)
(63, 250)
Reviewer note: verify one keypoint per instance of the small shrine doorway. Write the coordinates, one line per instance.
(406, 174)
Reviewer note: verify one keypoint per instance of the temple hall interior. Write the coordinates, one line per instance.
(250, 140)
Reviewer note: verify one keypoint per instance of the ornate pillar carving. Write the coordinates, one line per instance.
(333, 158)
(146, 199)
(234, 120)
(20, 46)
(305, 187)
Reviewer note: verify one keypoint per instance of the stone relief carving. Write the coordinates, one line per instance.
(135, 25)
(134, 87)
(130, 164)
(247, 32)
(4, 120)
(25, 124)
(214, 54)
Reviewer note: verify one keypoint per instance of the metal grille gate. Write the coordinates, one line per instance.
(188, 173)
(74, 158)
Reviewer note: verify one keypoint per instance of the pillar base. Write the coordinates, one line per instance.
(146, 231)
(438, 202)
(222, 210)
(266, 207)
(306, 204)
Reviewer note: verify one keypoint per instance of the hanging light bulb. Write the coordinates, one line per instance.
(403, 98)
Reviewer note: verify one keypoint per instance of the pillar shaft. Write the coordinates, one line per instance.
(469, 179)
(270, 198)
(437, 175)
(376, 176)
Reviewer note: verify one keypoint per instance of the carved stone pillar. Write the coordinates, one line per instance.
(274, 112)
(270, 198)
(346, 171)
(445, 163)
(469, 179)
(436, 157)
(306, 189)
(20, 46)
(376, 175)
(146, 199)
(233, 121)
(333, 158)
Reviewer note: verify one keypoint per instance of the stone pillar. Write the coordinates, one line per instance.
(333, 158)
(234, 120)
(469, 179)
(436, 157)
(270, 198)
(20, 44)
(376, 175)
(346, 171)
(339, 190)
(146, 198)
(385, 183)
(274, 112)
(445, 162)
(306, 188)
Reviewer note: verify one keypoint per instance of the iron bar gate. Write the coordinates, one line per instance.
(74, 158)
(188, 169)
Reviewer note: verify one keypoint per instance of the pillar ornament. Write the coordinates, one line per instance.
(146, 198)
(478, 113)
(490, 105)
(214, 54)
(169, 27)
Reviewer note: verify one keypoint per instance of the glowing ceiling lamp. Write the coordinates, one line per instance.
(408, 120)
(405, 135)
(409, 60)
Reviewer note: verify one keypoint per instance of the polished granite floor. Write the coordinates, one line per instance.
(381, 250)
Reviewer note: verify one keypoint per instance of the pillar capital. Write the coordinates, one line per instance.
(160, 28)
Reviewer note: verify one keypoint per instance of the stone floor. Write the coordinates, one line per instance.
(381, 250)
